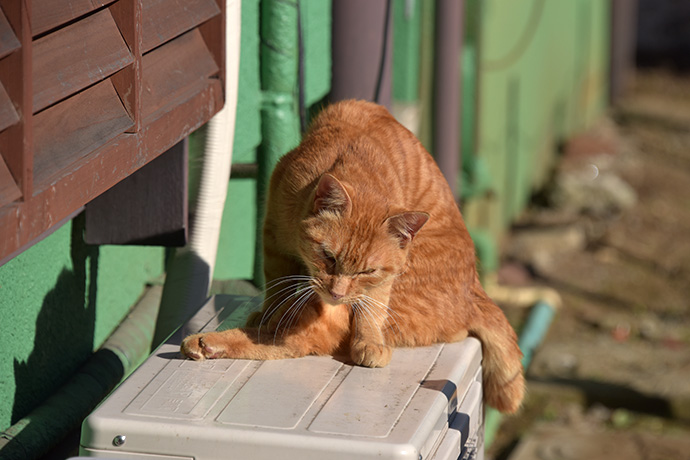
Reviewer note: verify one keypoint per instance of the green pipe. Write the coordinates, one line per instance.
(532, 336)
(280, 128)
(41, 430)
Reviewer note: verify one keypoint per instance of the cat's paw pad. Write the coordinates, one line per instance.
(201, 346)
(371, 354)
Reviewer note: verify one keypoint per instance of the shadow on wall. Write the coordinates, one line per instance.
(64, 328)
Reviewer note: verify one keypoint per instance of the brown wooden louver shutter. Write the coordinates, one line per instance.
(91, 91)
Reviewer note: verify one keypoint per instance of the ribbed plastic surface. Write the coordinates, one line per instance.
(307, 408)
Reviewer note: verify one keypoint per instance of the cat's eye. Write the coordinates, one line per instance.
(369, 271)
(329, 258)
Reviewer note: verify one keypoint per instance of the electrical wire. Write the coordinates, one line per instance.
(384, 46)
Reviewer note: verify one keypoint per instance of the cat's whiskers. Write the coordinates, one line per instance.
(384, 306)
(282, 280)
(302, 294)
(361, 309)
(293, 314)
(298, 283)
(278, 300)
(381, 311)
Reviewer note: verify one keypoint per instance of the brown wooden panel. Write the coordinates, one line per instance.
(75, 127)
(173, 71)
(49, 14)
(75, 57)
(8, 116)
(127, 15)
(166, 19)
(120, 157)
(8, 41)
(213, 32)
(15, 68)
(9, 191)
(147, 208)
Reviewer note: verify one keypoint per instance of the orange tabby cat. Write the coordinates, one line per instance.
(365, 250)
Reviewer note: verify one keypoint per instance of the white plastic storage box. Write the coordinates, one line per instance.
(426, 404)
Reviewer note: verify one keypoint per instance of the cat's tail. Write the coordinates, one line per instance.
(503, 379)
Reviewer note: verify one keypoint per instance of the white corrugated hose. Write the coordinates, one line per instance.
(190, 273)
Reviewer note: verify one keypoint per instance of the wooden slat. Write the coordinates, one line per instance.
(213, 32)
(8, 41)
(15, 69)
(120, 157)
(9, 191)
(172, 71)
(127, 15)
(8, 116)
(166, 19)
(49, 14)
(75, 57)
(67, 131)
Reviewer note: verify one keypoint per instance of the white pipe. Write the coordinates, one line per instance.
(218, 150)
(190, 273)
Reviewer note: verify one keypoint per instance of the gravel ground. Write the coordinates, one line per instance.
(612, 236)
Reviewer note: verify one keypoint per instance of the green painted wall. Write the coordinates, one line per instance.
(59, 301)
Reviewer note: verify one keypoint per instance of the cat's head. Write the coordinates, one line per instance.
(351, 249)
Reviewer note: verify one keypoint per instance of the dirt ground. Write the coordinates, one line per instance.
(611, 235)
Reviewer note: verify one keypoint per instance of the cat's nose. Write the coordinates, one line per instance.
(336, 295)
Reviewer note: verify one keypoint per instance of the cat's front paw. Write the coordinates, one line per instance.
(370, 354)
(202, 346)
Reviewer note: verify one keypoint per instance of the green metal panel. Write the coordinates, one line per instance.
(60, 300)
(542, 77)
(406, 49)
(316, 27)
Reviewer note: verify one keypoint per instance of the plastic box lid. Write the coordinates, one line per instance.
(311, 407)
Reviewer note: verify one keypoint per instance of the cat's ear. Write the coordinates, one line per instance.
(406, 225)
(331, 196)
